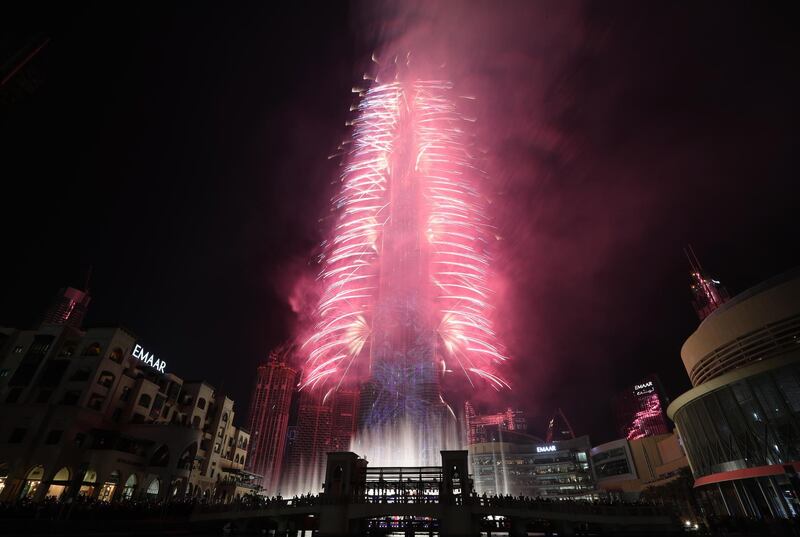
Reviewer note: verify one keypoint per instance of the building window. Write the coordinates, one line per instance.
(18, 349)
(96, 401)
(225, 417)
(106, 379)
(17, 435)
(4, 372)
(71, 397)
(81, 374)
(145, 400)
(67, 350)
(92, 350)
(116, 355)
(53, 437)
(126, 393)
(201, 403)
(196, 422)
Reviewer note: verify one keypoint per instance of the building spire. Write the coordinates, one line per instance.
(709, 294)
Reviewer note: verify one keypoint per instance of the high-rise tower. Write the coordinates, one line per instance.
(68, 308)
(640, 410)
(406, 295)
(269, 416)
(708, 294)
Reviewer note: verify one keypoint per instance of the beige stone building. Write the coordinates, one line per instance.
(92, 413)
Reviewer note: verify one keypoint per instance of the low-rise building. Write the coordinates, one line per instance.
(92, 413)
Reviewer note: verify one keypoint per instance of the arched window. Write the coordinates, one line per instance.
(153, 488)
(108, 488)
(130, 487)
(160, 456)
(81, 374)
(93, 350)
(186, 458)
(32, 481)
(201, 403)
(106, 379)
(116, 355)
(145, 400)
(196, 422)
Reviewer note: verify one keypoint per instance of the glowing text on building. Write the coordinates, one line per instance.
(149, 359)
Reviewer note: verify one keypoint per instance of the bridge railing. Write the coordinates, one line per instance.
(253, 502)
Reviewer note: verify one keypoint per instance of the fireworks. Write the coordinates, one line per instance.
(411, 230)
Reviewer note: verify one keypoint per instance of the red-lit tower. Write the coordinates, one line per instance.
(406, 295)
(708, 294)
(640, 410)
(489, 427)
(305, 464)
(344, 419)
(68, 308)
(269, 416)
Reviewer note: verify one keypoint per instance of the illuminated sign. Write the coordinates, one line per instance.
(545, 449)
(644, 389)
(149, 359)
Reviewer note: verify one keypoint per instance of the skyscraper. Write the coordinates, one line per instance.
(305, 464)
(344, 419)
(558, 428)
(640, 410)
(269, 415)
(707, 293)
(68, 308)
(405, 276)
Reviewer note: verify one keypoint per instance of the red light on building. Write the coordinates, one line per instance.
(640, 410)
(488, 427)
(269, 416)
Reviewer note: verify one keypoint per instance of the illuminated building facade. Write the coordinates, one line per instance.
(82, 415)
(640, 410)
(305, 462)
(68, 308)
(489, 427)
(405, 275)
(344, 419)
(740, 423)
(269, 416)
(527, 466)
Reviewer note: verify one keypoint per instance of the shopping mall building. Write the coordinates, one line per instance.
(93, 413)
(740, 423)
(522, 465)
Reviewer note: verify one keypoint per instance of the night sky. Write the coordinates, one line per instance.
(182, 153)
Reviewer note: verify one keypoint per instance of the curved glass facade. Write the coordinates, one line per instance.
(754, 421)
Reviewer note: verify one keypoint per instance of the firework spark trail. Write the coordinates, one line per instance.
(454, 229)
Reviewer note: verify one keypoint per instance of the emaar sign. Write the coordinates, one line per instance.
(545, 449)
(149, 359)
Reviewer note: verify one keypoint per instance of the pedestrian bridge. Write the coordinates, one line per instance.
(429, 500)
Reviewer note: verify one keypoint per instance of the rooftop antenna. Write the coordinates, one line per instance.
(88, 277)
